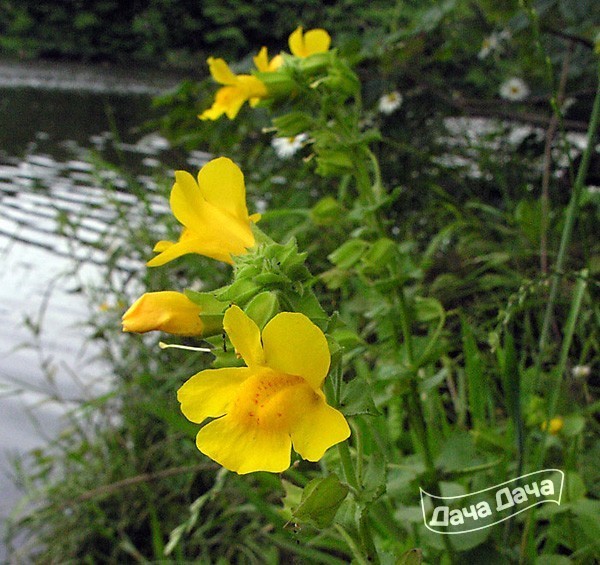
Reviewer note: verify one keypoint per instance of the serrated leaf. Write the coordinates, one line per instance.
(292, 498)
(375, 478)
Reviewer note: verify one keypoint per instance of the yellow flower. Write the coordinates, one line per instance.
(213, 212)
(167, 311)
(556, 424)
(305, 44)
(264, 65)
(237, 89)
(276, 401)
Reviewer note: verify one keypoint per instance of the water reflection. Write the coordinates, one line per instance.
(57, 230)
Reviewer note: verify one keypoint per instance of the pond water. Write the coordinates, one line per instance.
(56, 233)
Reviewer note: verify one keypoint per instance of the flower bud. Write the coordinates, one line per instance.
(167, 311)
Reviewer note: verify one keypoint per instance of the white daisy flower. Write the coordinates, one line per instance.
(285, 147)
(493, 42)
(390, 102)
(489, 44)
(514, 89)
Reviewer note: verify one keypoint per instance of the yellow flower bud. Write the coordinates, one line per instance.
(167, 311)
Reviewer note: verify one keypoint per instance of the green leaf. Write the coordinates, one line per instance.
(374, 479)
(308, 304)
(332, 162)
(240, 291)
(552, 560)
(357, 399)
(587, 512)
(349, 253)
(477, 385)
(574, 487)
(428, 309)
(207, 301)
(291, 500)
(573, 425)
(458, 453)
(293, 123)
(411, 557)
(378, 257)
(326, 212)
(321, 499)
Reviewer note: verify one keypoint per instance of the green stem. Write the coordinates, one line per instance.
(555, 385)
(377, 186)
(527, 538)
(417, 422)
(568, 230)
(363, 526)
(405, 327)
(360, 559)
(415, 413)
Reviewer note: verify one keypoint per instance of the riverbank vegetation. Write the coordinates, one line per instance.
(428, 185)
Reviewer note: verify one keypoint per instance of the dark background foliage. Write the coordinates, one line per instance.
(165, 32)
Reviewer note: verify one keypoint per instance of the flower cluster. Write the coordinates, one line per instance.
(238, 89)
(276, 401)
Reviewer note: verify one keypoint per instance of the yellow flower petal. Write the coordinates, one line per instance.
(186, 200)
(167, 311)
(215, 212)
(261, 61)
(220, 71)
(318, 427)
(212, 113)
(244, 335)
(296, 42)
(305, 44)
(231, 194)
(275, 63)
(295, 346)
(244, 450)
(209, 393)
(162, 246)
(316, 41)
(231, 98)
(252, 86)
(194, 245)
(228, 100)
